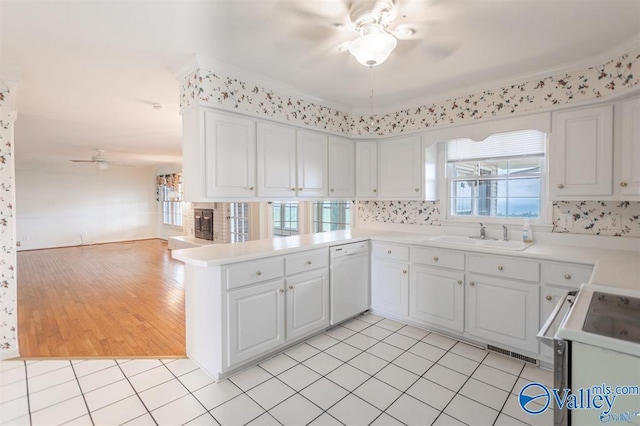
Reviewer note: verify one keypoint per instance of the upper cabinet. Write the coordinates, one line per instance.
(366, 166)
(400, 174)
(219, 155)
(341, 168)
(291, 163)
(629, 181)
(581, 153)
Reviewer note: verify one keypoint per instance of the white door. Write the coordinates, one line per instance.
(312, 164)
(255, 320)
(437, 297)
(341, 168)
(581, 153)
(503, 311)
(400, 162)
(276, 162)
(230, 156)
(307, 303)
(629, 183)
(390, 291)
(367, 169)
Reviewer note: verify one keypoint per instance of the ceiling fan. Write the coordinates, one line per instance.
(100, 159)
(375, 21)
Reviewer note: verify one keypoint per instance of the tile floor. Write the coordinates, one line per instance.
(370, 370)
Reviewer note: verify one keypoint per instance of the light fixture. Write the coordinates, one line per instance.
(374, 45)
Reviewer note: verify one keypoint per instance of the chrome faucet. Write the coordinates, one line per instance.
(483, 231)
(505, 233)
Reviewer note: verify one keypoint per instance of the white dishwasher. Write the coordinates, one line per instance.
(349, 280)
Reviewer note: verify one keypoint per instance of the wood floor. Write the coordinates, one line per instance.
(109, 300)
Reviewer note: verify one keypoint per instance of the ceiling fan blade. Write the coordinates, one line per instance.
(326, 10)
(82, 161)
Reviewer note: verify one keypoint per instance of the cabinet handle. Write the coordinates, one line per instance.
(332, 190)
(308, 262)
(549, 298)
(459, 282)
(435, 258)
(251, 188)
(567, 276)
(375, 190)
(258, 273)
(560, 186)
(299, 189)
(623, 184)
(417, 190)
(290, 287)
(388, 251)
(404, 271)
(500, 268)
(472, 283)
(293, 189)
(281, 290)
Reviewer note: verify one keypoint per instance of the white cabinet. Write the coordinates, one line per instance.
(629, 182)
(219, 156)
(307, 303)
(341, 168)
(400, 168)
(255, 321)
(437, 297)
(291, 163)
(390, 279)
(581, 153)
(366, 169)
(276, 160)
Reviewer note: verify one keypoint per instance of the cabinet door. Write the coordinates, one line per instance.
(390, 287)
(312, 164)
(367, 170)
(400, 163)
(341, 167)
(276, 160)
(581, 153)
(307, 303)
(629, 183)
(230, 156)
(503, 311)
(255, 320)
(437, 297)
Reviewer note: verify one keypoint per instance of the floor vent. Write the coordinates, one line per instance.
(512, 354)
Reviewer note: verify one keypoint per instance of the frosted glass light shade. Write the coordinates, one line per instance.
(373, 47)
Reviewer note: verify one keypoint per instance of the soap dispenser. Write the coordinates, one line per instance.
(527, 236)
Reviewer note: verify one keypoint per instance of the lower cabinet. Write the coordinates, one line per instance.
(390, 282)
(307, 303)
(256, 317)
(437, 297)
(503, 311)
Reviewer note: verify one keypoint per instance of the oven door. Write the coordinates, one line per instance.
(561, 352)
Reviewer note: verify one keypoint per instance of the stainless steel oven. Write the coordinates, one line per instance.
(561, 352)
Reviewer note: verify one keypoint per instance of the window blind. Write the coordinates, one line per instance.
(512, 144)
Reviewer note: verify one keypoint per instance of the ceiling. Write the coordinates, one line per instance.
(90, 71)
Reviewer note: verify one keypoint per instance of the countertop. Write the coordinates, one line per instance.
(613, 268)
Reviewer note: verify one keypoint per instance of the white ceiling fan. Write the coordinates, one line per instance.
(100, 159)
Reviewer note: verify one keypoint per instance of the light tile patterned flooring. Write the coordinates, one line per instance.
(370, 370)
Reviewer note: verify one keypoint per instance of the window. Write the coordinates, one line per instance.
(497, 177)
(239, 222)
(331, 215)
(285, 218)
(171, 209)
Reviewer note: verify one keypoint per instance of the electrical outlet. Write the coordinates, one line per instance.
(613, 222)
(566, 221)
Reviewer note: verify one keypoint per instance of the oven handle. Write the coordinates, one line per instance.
(541, 336)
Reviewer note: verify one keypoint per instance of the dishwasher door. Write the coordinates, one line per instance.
(349, 281)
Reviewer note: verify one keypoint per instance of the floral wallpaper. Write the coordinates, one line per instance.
(617, 218)
(205, 87)
(405, 212)
(8, 291)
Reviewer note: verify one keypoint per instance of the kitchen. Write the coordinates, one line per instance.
(389, 211)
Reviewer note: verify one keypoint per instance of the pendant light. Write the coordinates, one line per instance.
(374, 45)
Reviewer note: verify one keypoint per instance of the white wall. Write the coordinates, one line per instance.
(55, 203)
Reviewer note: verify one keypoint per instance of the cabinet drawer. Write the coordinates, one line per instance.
(504, 267)
(246, 273)
(306, 261)
(566, 274)
(437, 257)
(391, 251)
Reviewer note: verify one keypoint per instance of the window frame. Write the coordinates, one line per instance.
(174, 207)
(283, 206)
(234, 220)
(318, 209)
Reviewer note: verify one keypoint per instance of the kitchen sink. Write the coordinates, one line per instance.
(468, 241)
